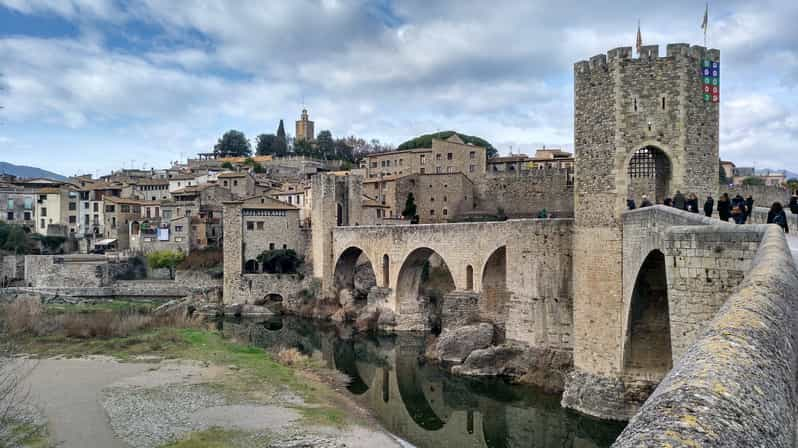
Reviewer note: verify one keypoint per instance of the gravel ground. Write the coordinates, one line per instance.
(167, 404)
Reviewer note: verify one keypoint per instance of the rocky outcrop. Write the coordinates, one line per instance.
(453, 346)
(542, 367)
(364, 280)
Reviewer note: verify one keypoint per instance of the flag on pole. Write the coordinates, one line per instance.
(639, 43)
(705, 23)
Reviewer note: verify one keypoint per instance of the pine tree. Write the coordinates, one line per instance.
(410, 207)
(281, 145)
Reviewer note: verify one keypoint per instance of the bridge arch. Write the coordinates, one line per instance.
(354, 260)
(495, 296)
(423, 279)
(647, 347)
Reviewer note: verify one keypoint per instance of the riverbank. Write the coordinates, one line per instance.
(181, 387)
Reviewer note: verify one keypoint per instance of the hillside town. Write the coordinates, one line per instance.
(489, 225)
(134, 211)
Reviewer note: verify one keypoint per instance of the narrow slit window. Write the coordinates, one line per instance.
(663, 103)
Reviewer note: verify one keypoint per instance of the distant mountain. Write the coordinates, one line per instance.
(787, 173)
(28, 171)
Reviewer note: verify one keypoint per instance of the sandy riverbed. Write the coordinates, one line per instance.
(99, 402)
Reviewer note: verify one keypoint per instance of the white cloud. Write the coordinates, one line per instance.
(390, 71)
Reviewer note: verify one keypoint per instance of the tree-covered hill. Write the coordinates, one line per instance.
(425, 141)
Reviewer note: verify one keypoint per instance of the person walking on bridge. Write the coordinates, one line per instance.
(646, 202)
(794, 203)
(777, 216)
(679, 201)
(738, 209)
(749, 207)
(692, 203)
(724, 207)
(708, 206)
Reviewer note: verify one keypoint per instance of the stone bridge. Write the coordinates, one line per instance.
(520, 268)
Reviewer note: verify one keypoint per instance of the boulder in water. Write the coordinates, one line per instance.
(454, 346)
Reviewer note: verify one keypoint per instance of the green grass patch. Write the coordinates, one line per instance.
(213, 438)
(27, 435)
(110, 305)
(323, 415)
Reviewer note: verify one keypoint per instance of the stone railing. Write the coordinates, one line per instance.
(736, 386)
(760, 216)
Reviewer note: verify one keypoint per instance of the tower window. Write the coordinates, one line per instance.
(663, 103)
(635, 104)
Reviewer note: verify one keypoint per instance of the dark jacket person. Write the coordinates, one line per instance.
(777, 216)
(724, 207)
(678, 201)
(708, 206)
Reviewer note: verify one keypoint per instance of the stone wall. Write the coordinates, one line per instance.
(250, 288)
(703, 260)
(67, 271)
(621, 105)
(764, 196)
(538, 267)
(12, 268)
(525, 193)
(736, 385)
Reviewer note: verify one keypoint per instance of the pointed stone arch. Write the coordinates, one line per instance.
(647, 348)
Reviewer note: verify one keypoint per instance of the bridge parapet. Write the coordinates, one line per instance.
(678, 269)
(736, 386)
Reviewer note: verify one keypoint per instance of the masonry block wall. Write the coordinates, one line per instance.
(233, 250)
(705, 260)
(736, 385)
(538, 267)
(527, 193)
(623, 105)
(74, 271)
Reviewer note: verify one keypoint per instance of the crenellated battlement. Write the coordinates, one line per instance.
(648, 53)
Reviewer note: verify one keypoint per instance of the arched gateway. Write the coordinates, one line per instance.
(641, 126)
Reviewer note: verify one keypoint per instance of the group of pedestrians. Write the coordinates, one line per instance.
(738, 208)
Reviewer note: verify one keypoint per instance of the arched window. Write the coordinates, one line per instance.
(386, 270)
(469, 278)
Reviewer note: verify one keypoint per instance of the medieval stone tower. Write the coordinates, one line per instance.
(646, 125)
(336, 202)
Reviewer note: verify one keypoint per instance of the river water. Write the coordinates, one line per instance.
(425, 405)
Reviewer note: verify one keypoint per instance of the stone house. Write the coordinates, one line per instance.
(240, 183)
(16, 205)
(444, 157)
(543, 159)
(438, 197)
(293, 194)
(180, 181)
(161, 234)
(258, 224)
(91, 208)
(56, 206)
(119, 213)
(203, 204)
(147, 189)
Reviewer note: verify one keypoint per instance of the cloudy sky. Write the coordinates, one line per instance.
(93, 85)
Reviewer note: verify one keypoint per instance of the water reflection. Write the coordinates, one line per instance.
(423, 404)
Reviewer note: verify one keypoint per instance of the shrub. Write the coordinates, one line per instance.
(165, 259)
(23, 316)
(204, 259)
(280, 261)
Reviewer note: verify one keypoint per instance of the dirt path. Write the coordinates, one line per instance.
(100, 403)
(69, 392)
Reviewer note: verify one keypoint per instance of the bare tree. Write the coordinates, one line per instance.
(16, 418)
